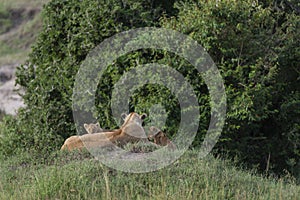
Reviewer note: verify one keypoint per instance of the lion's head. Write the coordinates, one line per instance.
(93, 128)
(160, 138)
(133, 118)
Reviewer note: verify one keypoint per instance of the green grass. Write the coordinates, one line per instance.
(5, 22)
(20, 22)
(22, 3)
(78, 176)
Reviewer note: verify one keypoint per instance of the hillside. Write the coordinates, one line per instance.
(20, 22)
(262, 124)
(77, 176)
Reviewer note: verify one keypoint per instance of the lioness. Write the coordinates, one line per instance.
(160, 138)
(130, 131)
(73, 142)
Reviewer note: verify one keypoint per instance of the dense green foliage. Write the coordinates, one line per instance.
(73, 176)
(255, 46)
(257, 51)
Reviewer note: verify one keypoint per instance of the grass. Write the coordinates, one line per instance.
(23, 3)
(20, 22)
(79, 176)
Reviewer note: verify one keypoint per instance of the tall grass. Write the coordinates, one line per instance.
(77, 176)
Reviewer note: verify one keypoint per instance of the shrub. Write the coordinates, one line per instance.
(256, 50)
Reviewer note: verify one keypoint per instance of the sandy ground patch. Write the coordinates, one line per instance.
(10, 100)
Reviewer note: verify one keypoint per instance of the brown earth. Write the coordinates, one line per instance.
(10, 100)
(25, 22)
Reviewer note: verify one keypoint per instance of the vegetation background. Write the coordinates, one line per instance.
(255, 45)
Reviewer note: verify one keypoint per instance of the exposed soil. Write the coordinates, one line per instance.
(10, 100)
(18, 37)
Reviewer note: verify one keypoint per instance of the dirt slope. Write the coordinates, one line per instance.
(20, 23)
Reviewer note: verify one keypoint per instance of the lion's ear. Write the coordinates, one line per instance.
(85, 126)
(143, 116)
(123, 116)
(97, 124)
(154, 130)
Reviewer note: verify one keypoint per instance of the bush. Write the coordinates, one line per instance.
(16, 138)
(256, 51)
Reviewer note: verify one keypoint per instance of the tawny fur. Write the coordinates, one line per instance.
(130, 131)
(96, 128)
(93, 128)
(160, 138)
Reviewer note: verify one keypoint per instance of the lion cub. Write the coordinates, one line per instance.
(160, 138)
(93, 128)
